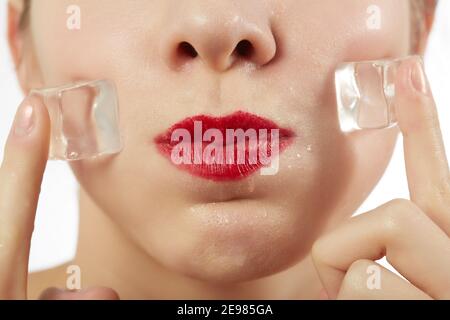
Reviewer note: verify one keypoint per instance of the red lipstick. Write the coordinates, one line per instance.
(224, 148)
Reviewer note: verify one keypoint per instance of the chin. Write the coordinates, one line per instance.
(225, 262)
(238, 241)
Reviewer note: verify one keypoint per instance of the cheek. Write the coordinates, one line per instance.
(314, 38)
(106, 45)
(353, 29)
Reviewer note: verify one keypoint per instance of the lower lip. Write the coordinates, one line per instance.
(223, 172)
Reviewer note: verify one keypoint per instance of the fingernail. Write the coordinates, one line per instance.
(24, 121)
(418, 77)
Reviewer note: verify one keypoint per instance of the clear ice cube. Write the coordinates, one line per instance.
(365, 94)
(84, 120)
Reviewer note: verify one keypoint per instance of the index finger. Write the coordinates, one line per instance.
(26, 154)
(426, 163)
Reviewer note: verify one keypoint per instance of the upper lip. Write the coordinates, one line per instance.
(237, 120)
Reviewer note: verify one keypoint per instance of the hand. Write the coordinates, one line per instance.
(21, 173)
(412, 234)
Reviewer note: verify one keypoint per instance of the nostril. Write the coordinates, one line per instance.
(244, 49)
(185, 49)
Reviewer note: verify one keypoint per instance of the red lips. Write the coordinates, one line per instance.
(226, 166)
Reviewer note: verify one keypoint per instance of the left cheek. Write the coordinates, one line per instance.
(325, 37)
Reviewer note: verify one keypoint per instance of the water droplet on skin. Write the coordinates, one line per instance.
(390, 90)
(264, 214)
(299, 155)
(291, 90)
(251, 185)
(73, 155)
(308, 148)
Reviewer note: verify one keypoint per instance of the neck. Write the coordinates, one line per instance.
(108, 257)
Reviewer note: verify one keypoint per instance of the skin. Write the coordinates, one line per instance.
(148, 230)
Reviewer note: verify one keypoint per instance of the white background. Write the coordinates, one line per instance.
(54, 239)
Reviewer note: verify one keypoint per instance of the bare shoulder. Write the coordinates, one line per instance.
(39, 281)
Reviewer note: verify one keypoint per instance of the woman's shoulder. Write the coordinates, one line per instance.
(40, 281)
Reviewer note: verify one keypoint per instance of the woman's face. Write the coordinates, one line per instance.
(235, 229)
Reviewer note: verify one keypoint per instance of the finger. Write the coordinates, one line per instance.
(426, 163)
(25, 157)
(413, 244)
(367, 280)
(94, 293)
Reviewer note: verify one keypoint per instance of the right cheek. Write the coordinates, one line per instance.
(71, 55)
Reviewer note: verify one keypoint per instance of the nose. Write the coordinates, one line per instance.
(219, 34)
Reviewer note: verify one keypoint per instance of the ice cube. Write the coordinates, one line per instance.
(365, 92)
(84, 119)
